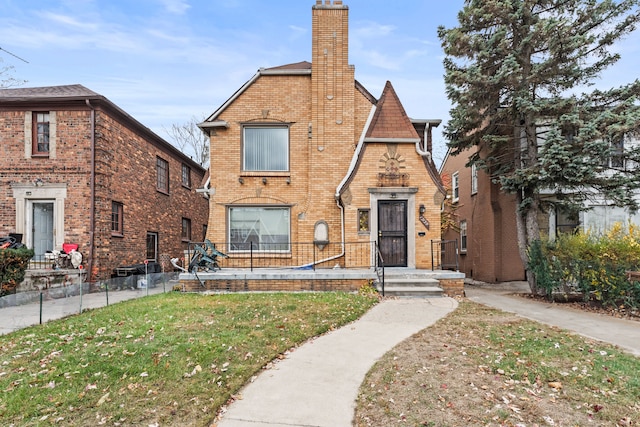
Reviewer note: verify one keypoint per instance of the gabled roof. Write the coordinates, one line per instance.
(296, 68)
(390, 121)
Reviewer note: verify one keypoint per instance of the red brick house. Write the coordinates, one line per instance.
(304, 153)
(486, 223)
(75, 168)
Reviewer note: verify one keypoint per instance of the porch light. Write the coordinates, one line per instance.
(422, 209)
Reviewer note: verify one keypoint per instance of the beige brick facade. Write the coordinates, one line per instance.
(342, 142)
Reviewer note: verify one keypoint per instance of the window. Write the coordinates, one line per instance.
(463, 236)
(617, 153)
(41, 133)
(152, 246)
(162, 168)
(117, 219)
(265, 148)
(186, 229)
(186, 176)
(455, 188)
(474, 178)
(259, 228)
(363, 221)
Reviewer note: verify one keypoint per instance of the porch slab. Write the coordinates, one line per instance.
(291, 280)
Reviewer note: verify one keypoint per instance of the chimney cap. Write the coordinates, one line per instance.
(328, 4)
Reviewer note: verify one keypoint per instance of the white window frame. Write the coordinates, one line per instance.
(281, 165)
(455, 187)
(240, 237)
(463, 236)
(474, 179)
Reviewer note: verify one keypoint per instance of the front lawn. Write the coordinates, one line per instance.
(168, 359)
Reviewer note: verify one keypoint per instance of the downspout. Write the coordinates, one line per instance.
(352, 167)
(92, 214)
(341, 254)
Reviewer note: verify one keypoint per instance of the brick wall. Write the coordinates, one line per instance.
(125, 164)
(346, 285)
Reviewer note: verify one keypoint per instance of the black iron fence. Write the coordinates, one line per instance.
(444, 255)
(297, 255)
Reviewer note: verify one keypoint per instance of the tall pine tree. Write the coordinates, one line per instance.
(520, 75)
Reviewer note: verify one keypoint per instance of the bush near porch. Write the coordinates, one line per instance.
(593, 266)
(13, 264)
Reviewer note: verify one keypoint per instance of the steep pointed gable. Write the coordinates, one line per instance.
(390, 121)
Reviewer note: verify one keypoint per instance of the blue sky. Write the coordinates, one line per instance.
(166, 61)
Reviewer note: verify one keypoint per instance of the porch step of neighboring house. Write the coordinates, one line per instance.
(417, 285)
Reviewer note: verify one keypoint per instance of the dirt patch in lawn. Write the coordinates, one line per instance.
(484, 367)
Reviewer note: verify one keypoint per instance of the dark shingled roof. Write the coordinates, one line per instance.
(68, 91)
(390, 120)
(303, 65)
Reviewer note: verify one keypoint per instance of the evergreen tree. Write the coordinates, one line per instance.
(520, 75)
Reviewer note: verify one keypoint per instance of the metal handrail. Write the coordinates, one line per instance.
(379, 266)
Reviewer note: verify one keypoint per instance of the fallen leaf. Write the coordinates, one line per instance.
(555, 384)
(103, 399)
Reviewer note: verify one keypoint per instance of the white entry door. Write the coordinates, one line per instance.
(42, 227)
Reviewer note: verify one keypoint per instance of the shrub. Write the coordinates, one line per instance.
(592, 264)
(13, 263)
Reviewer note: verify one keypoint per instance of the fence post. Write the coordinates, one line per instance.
(251, 255)
(80, 281)
(41, 308)
(106, 290)
(146, 274)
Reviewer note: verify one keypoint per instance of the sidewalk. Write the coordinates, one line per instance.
(20, 316)
(317, 384)
(621, 332)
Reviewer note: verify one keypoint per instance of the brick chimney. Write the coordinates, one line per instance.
(332, 77)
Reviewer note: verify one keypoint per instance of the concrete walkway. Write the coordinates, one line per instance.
(620, 332)
(317, 384)
(18, 317)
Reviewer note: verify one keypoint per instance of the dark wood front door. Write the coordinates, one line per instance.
(392, 232)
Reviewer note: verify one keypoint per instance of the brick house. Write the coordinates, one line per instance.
(486, 221)
(486, 217)
(75, 168)
(304, 153)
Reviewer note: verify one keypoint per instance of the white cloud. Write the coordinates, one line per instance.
(178, 7)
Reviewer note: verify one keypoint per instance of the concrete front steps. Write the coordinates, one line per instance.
(399, 283)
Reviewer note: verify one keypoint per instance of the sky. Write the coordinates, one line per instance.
(166, 62)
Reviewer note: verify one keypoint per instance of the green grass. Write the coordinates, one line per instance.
(172, 359)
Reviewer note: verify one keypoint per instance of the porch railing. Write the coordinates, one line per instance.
(297, 255)
(444, 255)
(379, 267)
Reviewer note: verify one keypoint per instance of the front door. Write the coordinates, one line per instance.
(42, 227)
(392, 232)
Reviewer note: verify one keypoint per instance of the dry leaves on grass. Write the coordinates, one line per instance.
(460, 372)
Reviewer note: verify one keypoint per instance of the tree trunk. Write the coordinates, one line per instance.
(527, 200)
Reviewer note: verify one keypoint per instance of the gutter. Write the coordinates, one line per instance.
(92, 215)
